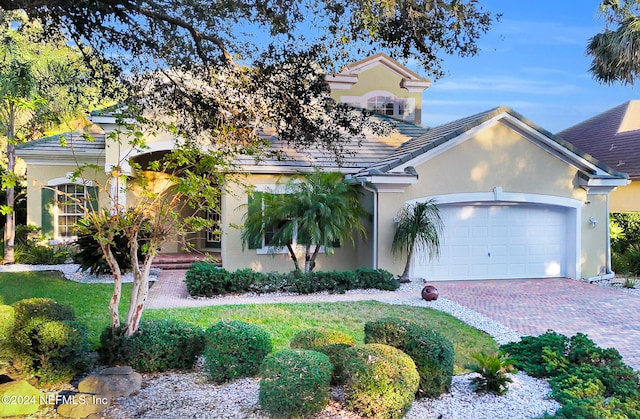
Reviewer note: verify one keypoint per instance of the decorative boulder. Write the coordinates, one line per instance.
(19, 398)
(81, 405)
(429, 293)
(112, 382)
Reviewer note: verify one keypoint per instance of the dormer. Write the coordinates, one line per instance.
(381, 84)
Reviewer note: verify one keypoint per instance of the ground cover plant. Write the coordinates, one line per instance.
(589, 381)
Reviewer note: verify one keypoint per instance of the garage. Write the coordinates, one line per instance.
(498, 242)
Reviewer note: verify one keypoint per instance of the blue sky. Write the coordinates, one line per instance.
(532, 61)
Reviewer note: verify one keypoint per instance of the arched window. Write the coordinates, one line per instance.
(381, 104)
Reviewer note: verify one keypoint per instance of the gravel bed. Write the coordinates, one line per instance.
(168, 396)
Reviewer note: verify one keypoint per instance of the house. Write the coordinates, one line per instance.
(517, 201)
(613, 137)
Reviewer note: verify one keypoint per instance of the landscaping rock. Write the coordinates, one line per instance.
(429, 293)
(82, 405)
(112, 382)
(19, 398)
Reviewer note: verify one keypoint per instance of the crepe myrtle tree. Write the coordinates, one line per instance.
(173, 192)
(418, 230)
(313, 210)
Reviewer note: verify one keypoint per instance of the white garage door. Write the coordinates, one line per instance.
(499, 241)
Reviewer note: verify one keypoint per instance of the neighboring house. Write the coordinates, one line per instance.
(613, 137)
(517, 201)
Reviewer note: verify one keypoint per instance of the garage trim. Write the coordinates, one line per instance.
(498, 196)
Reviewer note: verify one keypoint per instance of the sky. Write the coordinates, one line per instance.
(532, 61)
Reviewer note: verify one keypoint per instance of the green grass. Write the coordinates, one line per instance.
(282, 321)
(90, 302)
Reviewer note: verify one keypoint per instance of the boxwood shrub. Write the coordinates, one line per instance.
(295, 383)
(207, 279)
(330, 342)
(432, 352)
(46, 341)
(235, 349)
(158, 345)
(381, 381)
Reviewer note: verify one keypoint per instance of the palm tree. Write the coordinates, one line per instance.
(315, 210)
(418, 229)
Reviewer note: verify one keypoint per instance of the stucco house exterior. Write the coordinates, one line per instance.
(613, 137)
(517, 201)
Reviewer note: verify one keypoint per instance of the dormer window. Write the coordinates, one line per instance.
(384, 103)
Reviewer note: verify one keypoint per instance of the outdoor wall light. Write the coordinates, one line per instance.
(593, 221)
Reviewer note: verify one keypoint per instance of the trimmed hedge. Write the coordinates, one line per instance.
(158, 345)
(46, 341)
(235, 349)
(432, 352)
(380, 380)
(330, 342)
(587, 380)
(206, 280)
(295, 383)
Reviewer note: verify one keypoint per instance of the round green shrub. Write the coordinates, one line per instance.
(206, 279)
(432, 352)
(295, 383)
(46, 342)
(7, 321)
(330, 342)
(158, 345)
(235, 349)
(381, 380)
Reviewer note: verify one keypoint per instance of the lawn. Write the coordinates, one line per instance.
(282, 321)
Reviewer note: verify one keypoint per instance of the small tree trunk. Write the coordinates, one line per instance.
(114, 304)
(404, 278)
(10, 219)
(140, 290)
(292, 254)
(312, 262)
(307, 258)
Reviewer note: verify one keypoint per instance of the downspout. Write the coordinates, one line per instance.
(374, 191)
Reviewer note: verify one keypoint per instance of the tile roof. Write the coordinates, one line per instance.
(613, 137)
(360, 153)
(65, 142)
(441, 134)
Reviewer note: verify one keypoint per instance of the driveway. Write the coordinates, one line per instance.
(610, 317)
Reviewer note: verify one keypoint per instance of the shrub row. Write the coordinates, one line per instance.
(206, 280)
(40, 338)
(587, 380)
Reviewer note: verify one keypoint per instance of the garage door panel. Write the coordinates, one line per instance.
(499, 241)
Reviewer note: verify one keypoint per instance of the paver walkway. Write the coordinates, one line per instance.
(529, 306)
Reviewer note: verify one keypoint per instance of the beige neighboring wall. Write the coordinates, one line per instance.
(498, 157)
(626, 198)
(234, 257)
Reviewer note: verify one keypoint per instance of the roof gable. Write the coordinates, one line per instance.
(439, 139)
(613, 137)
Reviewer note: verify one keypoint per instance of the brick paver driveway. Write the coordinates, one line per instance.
(610, 317)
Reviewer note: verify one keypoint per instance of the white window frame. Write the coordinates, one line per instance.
(403, 108)
(56, 184)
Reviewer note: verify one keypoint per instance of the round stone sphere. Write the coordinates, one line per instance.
(429, 293)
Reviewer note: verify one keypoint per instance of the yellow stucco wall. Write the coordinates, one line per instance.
(380, 78)
(626, 198)
(497, 157)
(233, 257)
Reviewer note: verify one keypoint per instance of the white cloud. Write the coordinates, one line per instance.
(493, 84)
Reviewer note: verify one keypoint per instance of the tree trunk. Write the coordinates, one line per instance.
(292, 254)
(404, 278)
(114, 304)
(10, 219)
(140, 290)
(312, 262)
